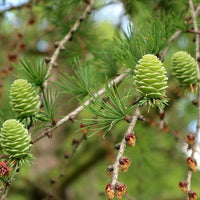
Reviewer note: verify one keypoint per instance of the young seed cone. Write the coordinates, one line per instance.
(150, 78)
(185, 68)
(15, 139)
(23, 98)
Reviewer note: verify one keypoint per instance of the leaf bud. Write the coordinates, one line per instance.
(183, 186)
(110, 191)
(190, 139)
(124, 163)
(192, 195)
(192, 164)
(130, 139)
(120, 190)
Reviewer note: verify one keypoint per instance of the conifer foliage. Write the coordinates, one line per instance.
(75, 91)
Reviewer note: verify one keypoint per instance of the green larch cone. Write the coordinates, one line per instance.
(23, 98)
(15, 139)
(185, 68)
(150, 77)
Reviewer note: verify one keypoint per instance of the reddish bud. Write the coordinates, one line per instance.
(124, 163)
(3, 73)
(110, 191)
(120, 190)
(192, 164)
(47, 60)
(130, 139)
(128, 118)
(183, 186)
(4, 169)
(31, 21)
(190, 139)
(83, 129)
(12, 57)
(22, 46)
(49, 135)
(192, 195)
(19, 35)
(10, 69)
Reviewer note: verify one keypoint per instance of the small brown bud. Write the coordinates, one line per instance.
(31, 21)
(28, 5)
(141, 118)
(47, 60)
(124, 163)
(10, 69)
(22, 46)
(192, 164)
(128, 118)
(110, 191)
(195, 102)
(12, 57)
(3, 73)
(190, 139)
(4, 169)
(75, 141)
(53, 122)
(192, 195)
(62, 48)
(198, 59)
(118, 145)
(162, 115)
(83, 128)
(49, 135)
(183, 186)
(120, 190)
(66, 155)
(130, 139)
(110, 168)
(81, 19)
(19, 35)
(53, 181)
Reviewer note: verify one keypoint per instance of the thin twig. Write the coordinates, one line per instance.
(14, 7)
(80, 108)
(172, 39)
(194, 147)
(67, 37)
(123, 146)
(193, 31)
(4, 192)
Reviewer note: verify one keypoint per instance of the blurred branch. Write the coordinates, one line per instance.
(14, 7)
(71, 115)
(60, 45)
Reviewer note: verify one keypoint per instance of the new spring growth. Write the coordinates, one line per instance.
(130, 139)
(192, 195)
(4, 169)
(124, 163)
(185, 69)
(120, 190)
(183, 186)
(110, 191)
(192, 163)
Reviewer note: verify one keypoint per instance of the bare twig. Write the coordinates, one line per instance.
(123, 146)
(194, 147)
(4, 192)
(80, 108)
(61, 44)
(193, 31)
(11, 7)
